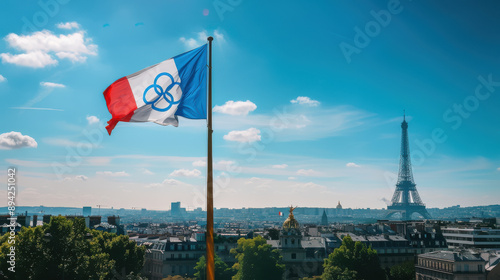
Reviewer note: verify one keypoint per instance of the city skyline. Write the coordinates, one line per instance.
(307, 111)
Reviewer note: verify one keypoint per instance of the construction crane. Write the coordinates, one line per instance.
(99, 206)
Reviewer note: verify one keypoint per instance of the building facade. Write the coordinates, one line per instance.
(302, 256)
(450, 265)
(481, 238)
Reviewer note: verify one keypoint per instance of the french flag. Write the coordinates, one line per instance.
(280, 213)
(162, 92)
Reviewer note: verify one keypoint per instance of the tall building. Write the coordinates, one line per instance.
(406, 199)
(114, 220)
(175, 208)
(94, 220)
(324, 219)
(87, 211)
(482, 238)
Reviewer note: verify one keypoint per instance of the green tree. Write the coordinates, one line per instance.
(256, 260)
(66, 249)
(353, 260)
(336, 273)
(222, 270)
(404, 271)
(274, 233)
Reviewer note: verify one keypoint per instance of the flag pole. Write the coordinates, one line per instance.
(210, 182)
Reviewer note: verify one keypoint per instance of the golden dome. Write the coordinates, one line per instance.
(339, 206)
(290, 222)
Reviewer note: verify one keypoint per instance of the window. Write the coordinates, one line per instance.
(466, 267)
(294, 256)
(479, 268)
(286, 241)
(180, 256)
(172, 256)
(293, 241)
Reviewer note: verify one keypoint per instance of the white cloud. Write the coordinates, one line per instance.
(352, 164)
(304, 100)
(68, 25)
(77, 178)
(236, 107)
(260, 183)
(81, 177)
(227, 165)
(28, 163)
(113, 174)
(186, 173)
(98, 161)
(498, 169)
(292, 178)
(300, 122)
(15, 140)
(191, 43)
(52, 85)
(171, 182)
(35, 108)
(220, 165)
(249, 135)
(35, 59)
(219, 37)
(92, 119)
(40, 47)
(167, 182)
(74, 57)
(200, 163)
(280, 166)
(225, 162)
(147, 172)
(2, 79)
(309, 186)
(308, 172)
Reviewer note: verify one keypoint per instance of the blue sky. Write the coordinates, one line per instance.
(308, 97)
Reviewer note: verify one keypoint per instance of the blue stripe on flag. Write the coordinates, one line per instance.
(192, 69)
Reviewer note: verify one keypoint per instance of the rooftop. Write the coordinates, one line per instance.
(455, 256)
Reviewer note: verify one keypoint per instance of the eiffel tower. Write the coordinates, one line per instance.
(406, 199)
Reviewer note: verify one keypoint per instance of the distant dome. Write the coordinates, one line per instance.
(339, 206)
(290, 222)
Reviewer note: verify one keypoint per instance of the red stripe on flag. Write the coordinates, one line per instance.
(120, 101)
